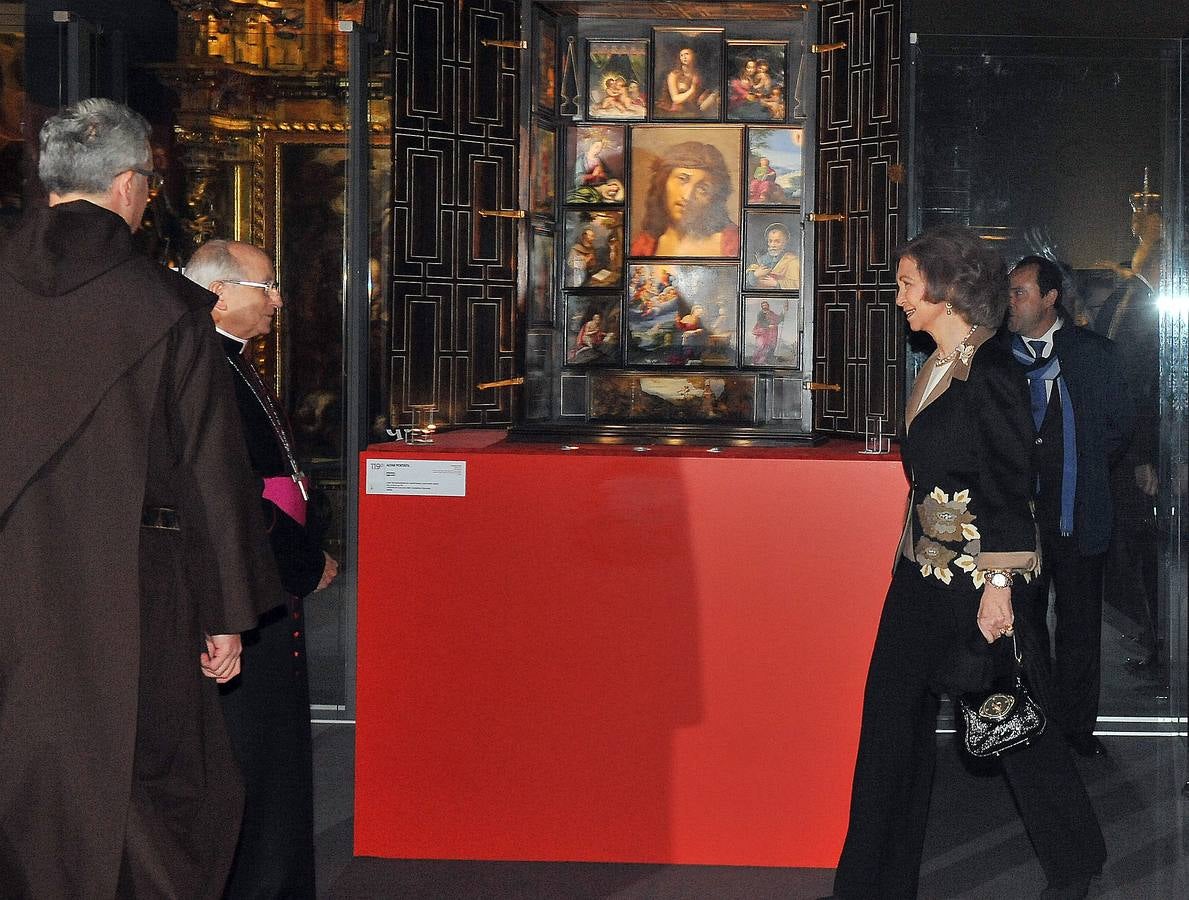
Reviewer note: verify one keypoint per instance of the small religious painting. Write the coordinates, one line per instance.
(772, 258)
(541, 307)
(617, 79)
(774, 166)
(547, 64)
(772, 331)
(682, 398)
(594, 249)
(594, 161)
(685, 191)
(544, 185)
(756, 76)
(592, 330)
(687, 74)
(680, 315)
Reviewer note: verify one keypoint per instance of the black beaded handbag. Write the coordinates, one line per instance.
(1001, 720)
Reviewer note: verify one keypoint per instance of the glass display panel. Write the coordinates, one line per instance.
(1069, 149)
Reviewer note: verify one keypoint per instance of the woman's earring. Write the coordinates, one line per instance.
(949, 309)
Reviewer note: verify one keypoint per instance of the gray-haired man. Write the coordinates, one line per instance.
(133, 550)
(268, 708)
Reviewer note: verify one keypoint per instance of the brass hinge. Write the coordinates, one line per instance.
(506, 382)
(502, 213)
(827, 217)
(827, 48)
(821, 386)
(508, 45)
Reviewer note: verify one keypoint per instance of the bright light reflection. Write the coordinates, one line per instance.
(1174, 305)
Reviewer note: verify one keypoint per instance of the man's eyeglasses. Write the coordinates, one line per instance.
(269, 287)
(155, 179)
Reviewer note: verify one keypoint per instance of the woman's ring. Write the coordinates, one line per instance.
(1009, 631)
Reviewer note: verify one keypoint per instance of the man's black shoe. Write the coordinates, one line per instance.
(1085, 744)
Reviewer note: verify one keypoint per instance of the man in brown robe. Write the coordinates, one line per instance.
(133, 546)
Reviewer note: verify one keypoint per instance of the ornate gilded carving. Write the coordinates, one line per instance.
(258, 198)
(261, 35)
(248, 73)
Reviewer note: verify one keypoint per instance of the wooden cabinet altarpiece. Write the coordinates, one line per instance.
(614, 201)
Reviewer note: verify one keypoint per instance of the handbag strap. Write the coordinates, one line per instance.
(1015, 649)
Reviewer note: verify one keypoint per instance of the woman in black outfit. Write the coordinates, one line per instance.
(968, 538)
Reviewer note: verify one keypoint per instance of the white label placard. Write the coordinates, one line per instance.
(417, 477)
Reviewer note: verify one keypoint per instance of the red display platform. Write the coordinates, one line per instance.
(609, 655)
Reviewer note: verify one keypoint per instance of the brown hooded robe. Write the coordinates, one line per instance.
(115, 768)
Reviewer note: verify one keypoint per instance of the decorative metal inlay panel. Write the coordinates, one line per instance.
(859, 335)
(455, 146)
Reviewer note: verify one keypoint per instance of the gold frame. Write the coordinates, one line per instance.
(266, 228)
(267, 200)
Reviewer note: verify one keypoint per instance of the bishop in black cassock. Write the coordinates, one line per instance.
(268, 710)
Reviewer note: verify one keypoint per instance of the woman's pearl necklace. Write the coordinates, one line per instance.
(953, 354)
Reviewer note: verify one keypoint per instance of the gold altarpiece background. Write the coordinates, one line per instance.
(261, 110)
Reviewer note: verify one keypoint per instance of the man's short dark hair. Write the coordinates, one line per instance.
(1048, 275)
(959, 268)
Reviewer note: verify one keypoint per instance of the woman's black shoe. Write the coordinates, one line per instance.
(1074, 889)
(1085, 744)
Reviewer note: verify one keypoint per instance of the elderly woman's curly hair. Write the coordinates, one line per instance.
(960, 269)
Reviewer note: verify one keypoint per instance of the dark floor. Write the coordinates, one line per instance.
(1136, 790)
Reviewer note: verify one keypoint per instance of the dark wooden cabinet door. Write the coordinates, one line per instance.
(455, 140)
(859, 334)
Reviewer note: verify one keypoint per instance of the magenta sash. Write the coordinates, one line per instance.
(286, 494)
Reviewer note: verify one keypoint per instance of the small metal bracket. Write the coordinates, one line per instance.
(827, 48)
(503, 382)
(875, 439)
(821, 386)
(507, 45)
(502, 213)
(827, 217)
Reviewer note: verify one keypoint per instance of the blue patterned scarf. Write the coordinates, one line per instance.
(1040, 371)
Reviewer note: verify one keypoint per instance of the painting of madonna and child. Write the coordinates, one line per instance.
(617, 79)
(685, 191)
(755, 81)
(680, 315)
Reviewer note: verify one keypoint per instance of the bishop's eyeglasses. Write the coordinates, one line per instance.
(269, 287)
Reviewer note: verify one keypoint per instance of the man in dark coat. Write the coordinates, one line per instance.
(1083, 418)
(268, 707)
(133, 553)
